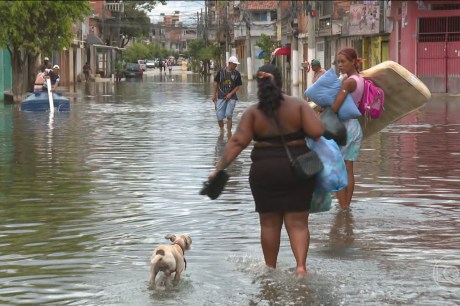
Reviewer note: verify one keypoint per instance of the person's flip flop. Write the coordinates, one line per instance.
(214, 187)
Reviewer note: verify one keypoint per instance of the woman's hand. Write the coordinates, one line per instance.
(263, 75)
(212, 175)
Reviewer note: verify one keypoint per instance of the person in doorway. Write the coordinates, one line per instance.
(226, 84)
(317, 70)
(53, 75)
(86, 71)
(348, 63)
(280, 196)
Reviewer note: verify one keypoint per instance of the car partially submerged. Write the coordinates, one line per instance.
(142, 64)
(133, 70)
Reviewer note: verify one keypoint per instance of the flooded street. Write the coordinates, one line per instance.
(85, 197)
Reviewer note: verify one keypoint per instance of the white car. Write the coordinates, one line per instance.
(142, 64)
(150, 64)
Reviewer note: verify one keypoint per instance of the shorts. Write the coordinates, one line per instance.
(225, 108)
(350, 151)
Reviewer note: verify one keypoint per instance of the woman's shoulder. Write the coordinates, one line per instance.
(292, 99)
(354, 77)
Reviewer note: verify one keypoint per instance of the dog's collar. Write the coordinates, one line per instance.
(183, 253)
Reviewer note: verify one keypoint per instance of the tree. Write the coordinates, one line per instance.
(266, 45)
(134, 21)
(200, 53)
(144, 51)
(28, 28)
(136, 52)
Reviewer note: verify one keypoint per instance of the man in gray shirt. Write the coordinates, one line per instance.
(226, 83)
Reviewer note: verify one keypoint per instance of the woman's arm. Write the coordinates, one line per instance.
(312, 125)
(239, 141)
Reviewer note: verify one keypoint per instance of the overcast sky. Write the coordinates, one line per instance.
(187, 10)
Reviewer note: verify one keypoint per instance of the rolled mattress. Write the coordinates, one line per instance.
(404, 93)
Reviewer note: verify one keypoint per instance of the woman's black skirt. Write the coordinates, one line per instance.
(274, 185)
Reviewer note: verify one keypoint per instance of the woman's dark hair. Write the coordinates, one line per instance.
(269, 90)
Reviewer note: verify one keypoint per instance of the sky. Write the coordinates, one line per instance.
(187, 10)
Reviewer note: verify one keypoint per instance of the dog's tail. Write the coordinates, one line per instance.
(157, 256)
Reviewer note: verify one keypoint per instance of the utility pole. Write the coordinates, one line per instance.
(206, 23)
(248, 45)
(311, 39)
(294, 45)
(227, 54)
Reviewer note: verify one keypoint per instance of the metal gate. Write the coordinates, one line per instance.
(438, 53)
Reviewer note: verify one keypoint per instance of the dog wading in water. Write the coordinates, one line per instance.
(170, 258)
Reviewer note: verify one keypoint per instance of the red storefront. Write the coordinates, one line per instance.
(426, 40)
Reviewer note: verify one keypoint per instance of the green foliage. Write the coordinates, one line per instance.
(266, 44)
(39, 26)
(144, 51)
(198, 51)
(134, 21)
(136, 52)
(28, 28)
(144, 5)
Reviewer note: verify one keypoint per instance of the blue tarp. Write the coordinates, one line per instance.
(262, 54)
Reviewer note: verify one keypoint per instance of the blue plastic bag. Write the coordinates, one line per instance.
(320, 202)
(334, 176)
(323, 93)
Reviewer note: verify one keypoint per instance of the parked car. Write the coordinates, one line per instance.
(150, 64)
(133, 70)
(143, 64)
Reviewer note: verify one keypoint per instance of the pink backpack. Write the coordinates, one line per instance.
(371, 104)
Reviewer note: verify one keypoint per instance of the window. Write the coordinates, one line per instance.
(444, 7)
(259, 16)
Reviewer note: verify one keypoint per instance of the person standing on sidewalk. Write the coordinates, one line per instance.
(226, 83)
(317, 69)
(86, 71)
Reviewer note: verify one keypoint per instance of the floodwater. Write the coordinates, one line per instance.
(86, 195)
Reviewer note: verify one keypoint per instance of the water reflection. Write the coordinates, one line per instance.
(86, 196)
(341, 235)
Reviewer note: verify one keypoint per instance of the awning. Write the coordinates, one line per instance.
(262, 54)
(282, 51)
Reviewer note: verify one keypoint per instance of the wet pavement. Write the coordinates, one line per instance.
(86, 196)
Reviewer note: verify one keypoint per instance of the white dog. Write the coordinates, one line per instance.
(170, 258)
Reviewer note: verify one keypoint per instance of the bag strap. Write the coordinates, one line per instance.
(288, 152)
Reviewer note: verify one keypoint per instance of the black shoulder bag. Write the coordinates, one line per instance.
(306, 165)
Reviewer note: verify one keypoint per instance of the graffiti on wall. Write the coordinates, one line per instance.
(363, 19)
